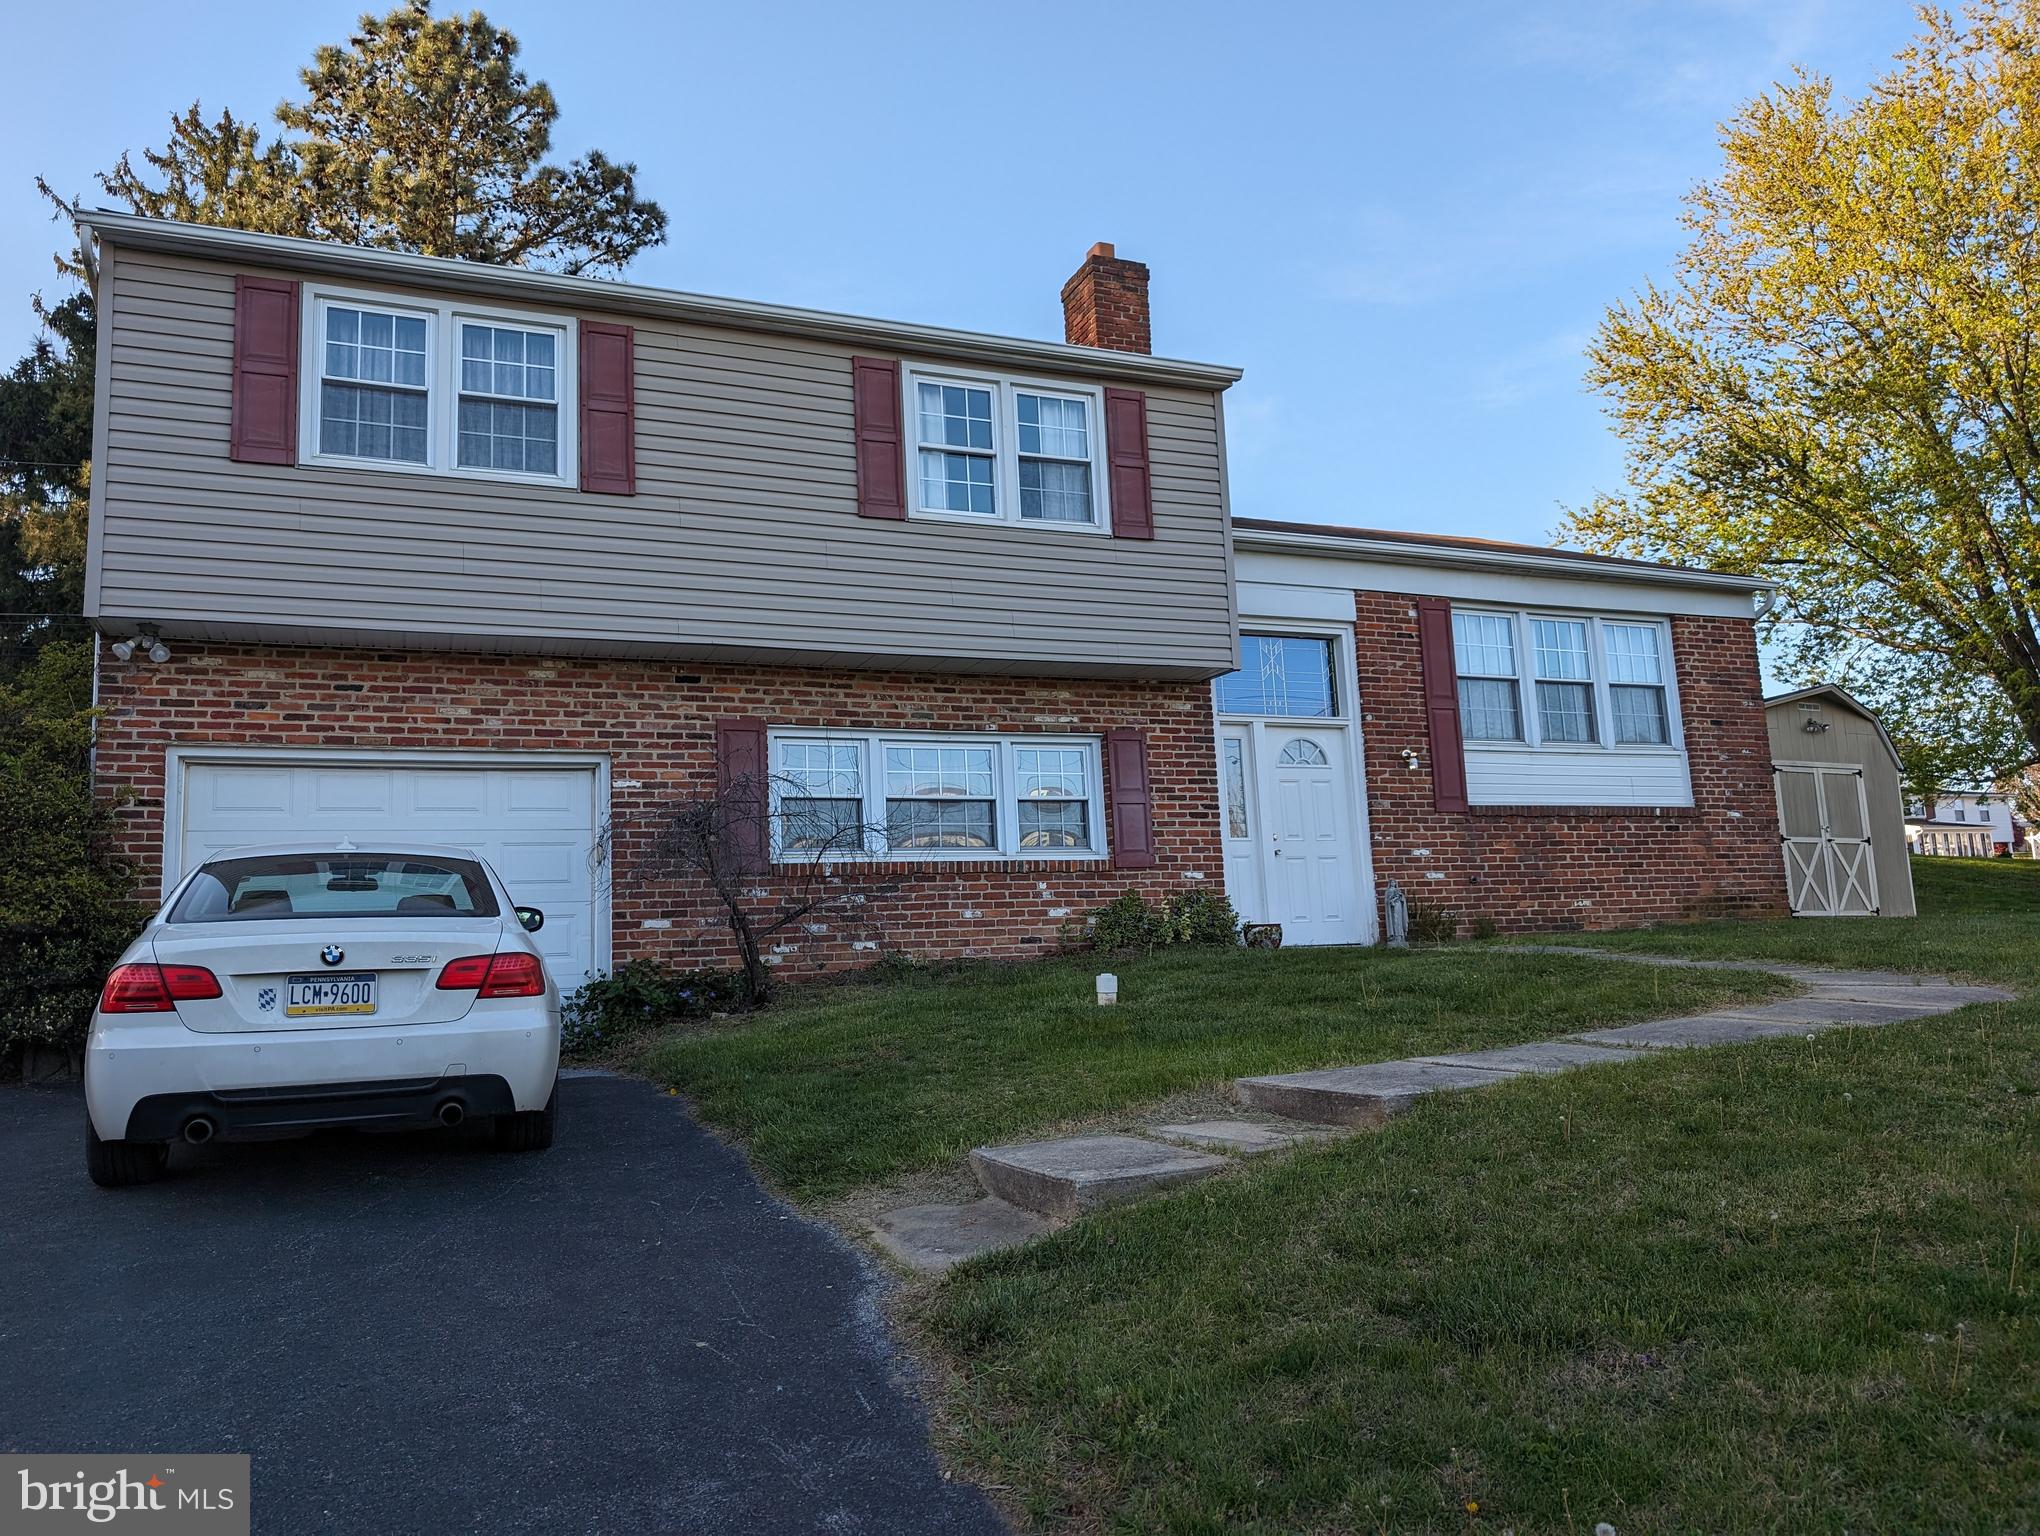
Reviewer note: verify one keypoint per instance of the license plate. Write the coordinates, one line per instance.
(312, 996)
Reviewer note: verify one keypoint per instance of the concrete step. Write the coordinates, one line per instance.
(930, 1238)
(1241, 1138)
(1537, 1056)
(1364, 1096)
(1074, 1174)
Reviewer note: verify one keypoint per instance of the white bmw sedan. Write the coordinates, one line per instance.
(281, 989)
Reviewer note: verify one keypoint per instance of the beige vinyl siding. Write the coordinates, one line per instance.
(743, 538)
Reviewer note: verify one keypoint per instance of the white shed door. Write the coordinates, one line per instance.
(1825, 822)
(537, 826)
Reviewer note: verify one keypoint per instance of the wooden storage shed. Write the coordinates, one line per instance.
(1841, 807)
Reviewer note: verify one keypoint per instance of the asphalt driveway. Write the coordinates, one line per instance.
(414, 1333)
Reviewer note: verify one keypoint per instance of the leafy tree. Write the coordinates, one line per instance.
(422, 134)
(1839, 387)
(66, 906)
(45, 441)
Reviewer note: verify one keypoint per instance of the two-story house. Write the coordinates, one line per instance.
(425, 550)
(1964, 823)
(428, 551)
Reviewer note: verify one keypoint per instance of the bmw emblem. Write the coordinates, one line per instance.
(332, 954)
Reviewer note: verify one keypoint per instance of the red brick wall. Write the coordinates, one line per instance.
(657, 724)
(1528, 868)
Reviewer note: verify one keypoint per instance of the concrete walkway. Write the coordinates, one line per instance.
(1032, 1186)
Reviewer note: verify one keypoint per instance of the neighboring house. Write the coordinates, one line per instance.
(445, 552)
(1841, 806)
(489, 556)
(1519, 737)
(1964, 823)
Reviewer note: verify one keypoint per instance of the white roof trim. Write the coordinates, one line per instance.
(551, 288)
(1408, 551)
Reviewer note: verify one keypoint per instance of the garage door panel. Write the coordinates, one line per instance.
(243, 792)
(541, 798)
(536, 826)
(557, 867)
(457, 797)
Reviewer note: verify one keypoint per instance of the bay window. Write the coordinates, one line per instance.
(1595, 683)
(839, 794)
(997, 449)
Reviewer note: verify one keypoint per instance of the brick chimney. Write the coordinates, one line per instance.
(1105, 304)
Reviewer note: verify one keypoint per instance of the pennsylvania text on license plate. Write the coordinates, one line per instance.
(306, 996)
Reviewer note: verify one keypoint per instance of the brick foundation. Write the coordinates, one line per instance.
(656, 722)
(1525, 868)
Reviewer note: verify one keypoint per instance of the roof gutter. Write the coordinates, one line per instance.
(522, 285)
(1459, 557)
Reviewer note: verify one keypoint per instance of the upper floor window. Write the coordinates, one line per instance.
(1282, 675)
(431, 385)
(509, 399)
(1007, 450)
(1593, 681)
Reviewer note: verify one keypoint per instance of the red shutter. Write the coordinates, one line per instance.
(265, 371)
(881, 462)
(1126, 457)
(742, 784)
(608, 409)
(1126, 781)
(1441, 703)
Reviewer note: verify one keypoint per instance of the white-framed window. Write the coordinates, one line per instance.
(436, 386)
(1293, 677)
(1490, 707)
(994, 448)
(839, 794)
(1594, 683)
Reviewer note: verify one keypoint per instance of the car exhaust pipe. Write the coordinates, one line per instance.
(198, 1130)
(451, 1113)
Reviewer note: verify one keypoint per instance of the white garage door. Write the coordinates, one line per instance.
(537, 826)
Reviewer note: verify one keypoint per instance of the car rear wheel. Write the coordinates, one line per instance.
(528, 1130)
(117, 1164)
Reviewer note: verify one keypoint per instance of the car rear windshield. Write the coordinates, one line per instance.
(327, 885)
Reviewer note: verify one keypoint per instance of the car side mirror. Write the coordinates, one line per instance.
(532, 918)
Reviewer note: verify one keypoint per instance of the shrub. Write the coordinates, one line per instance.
(1200, 917)
(1132, 922)
(1432, 924)
(640, 995)
(1126, 922)
(67, 905)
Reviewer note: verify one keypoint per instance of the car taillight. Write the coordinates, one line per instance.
(144, 988)
(466, 974)
(512, 974)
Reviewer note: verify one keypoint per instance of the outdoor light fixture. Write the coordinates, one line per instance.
(1410, 757)
(1814, 727)
(155, 650)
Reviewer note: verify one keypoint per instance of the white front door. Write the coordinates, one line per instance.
(1824, 817)
(536, 825)
(1308, 857)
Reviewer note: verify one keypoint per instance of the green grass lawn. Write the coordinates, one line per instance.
(1780, 1286)
(844, 1086)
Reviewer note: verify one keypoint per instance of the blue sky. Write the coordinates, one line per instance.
(1403, 221)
